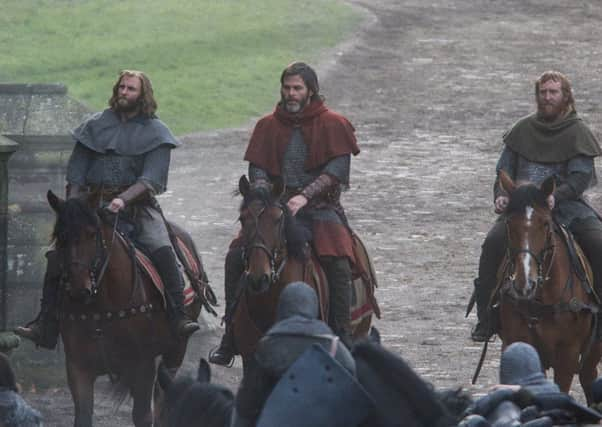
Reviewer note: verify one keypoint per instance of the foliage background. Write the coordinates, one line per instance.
(213, 64)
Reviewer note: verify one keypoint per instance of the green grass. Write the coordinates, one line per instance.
(213, 63)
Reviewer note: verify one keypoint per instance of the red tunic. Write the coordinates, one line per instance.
(327, 135)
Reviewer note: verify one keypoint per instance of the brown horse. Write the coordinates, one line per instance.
(276, 252)
(112, 318)
(543, 301)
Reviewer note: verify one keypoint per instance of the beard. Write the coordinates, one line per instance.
(550, 112)
(293, 106)
(124, 106)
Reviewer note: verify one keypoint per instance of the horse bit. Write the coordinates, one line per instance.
(258, 242)
(539, 258)
(97, 267)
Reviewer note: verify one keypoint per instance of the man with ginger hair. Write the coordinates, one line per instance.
(121, 156)
(553, 141)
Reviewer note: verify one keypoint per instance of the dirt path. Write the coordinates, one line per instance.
(431, 87)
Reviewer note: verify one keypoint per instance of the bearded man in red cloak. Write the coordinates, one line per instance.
(309, 147)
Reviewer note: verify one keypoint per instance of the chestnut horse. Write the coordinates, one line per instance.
(276, 252)
(543, 301)
(112, 318)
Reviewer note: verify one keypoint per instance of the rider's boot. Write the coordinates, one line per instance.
(234, 269)
(492, 254)
(483, 330)
(588, 233)
(164, 259)
(338, 274)
(44, 329)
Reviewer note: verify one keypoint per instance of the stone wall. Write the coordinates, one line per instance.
(38, 117)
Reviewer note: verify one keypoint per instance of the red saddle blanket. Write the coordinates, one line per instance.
(147, 267)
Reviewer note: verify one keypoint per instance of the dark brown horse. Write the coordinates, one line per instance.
(543, 301)
(276, 252)
(112, 318)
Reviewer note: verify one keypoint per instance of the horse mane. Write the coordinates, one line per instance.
(189, 400)
(526, 195)
(297, 236)
(72, 216)
(402, 397)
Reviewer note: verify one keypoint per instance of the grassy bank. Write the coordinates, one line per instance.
(213, 63)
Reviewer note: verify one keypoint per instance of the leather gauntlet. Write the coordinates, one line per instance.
(134, 193)
(321, 186)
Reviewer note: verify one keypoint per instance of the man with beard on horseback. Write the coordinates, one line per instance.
(553, 141)
(309, 147)
(121, 156)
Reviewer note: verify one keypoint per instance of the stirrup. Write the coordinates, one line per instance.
(186, 327)
(481, 332)
(32, 334)
(38, 334)
(32, 330)
(217, 356)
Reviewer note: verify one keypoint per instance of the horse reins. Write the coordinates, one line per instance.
(108, 251)
(98, 266)
(534, 309)
(540, 258)
(258, 242)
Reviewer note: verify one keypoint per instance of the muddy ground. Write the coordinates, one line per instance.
(430, 87)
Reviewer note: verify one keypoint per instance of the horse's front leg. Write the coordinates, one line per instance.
(81, 384)
(565, 366)
(589, 370)
(141, 385)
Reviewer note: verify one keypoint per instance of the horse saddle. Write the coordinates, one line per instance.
(196, 283)
(363, 286)
(316, 391)
(579, 261)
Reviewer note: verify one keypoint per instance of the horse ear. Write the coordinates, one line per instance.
(548, 186)
(204, 371)
(243, 185)
(278, 187)
(506, 182)
(54, 200)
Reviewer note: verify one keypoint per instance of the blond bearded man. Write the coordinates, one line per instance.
(553, 141)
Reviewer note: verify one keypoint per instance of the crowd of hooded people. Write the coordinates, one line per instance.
(303, 376)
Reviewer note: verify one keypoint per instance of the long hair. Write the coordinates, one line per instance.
(307, 74)
(148, 105)
(565, 84)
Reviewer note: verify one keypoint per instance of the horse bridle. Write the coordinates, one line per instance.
(257, 241)
(97, 267)
(540, 258)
